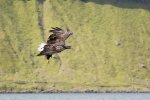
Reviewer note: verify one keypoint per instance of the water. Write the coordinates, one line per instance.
(77, 96)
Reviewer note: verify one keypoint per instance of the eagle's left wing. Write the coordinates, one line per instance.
(56, 30)
(56, 36)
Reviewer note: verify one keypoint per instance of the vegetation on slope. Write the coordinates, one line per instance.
(110, 51)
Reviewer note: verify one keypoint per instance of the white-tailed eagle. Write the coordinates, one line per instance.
(55, 42)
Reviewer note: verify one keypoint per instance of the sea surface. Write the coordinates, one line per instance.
(76, 96)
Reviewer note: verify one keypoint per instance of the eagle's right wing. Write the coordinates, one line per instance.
(48, 50)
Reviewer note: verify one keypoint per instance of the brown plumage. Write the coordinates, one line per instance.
(55, 42)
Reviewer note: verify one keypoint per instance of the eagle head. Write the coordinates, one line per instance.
(41, 47)
(69, 31)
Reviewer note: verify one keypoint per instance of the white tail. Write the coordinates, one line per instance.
(41, 47)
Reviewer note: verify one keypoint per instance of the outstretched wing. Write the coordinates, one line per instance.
(56, 36)
(50, 50)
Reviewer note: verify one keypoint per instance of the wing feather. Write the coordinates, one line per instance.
(56, 30)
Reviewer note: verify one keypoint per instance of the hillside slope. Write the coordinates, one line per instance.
(111, 50)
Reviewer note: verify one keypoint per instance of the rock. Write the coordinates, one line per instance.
(118, 42)
(142, 65)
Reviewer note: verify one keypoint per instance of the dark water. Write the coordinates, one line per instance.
(77, 96)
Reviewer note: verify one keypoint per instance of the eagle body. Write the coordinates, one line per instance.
(55, 43)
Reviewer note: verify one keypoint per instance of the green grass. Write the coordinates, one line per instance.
(110, 46)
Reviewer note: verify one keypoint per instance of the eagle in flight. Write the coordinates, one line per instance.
(55, 42)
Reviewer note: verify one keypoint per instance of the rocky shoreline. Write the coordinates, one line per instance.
(61, 91)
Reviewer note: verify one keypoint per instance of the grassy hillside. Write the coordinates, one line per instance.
(111, 50)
